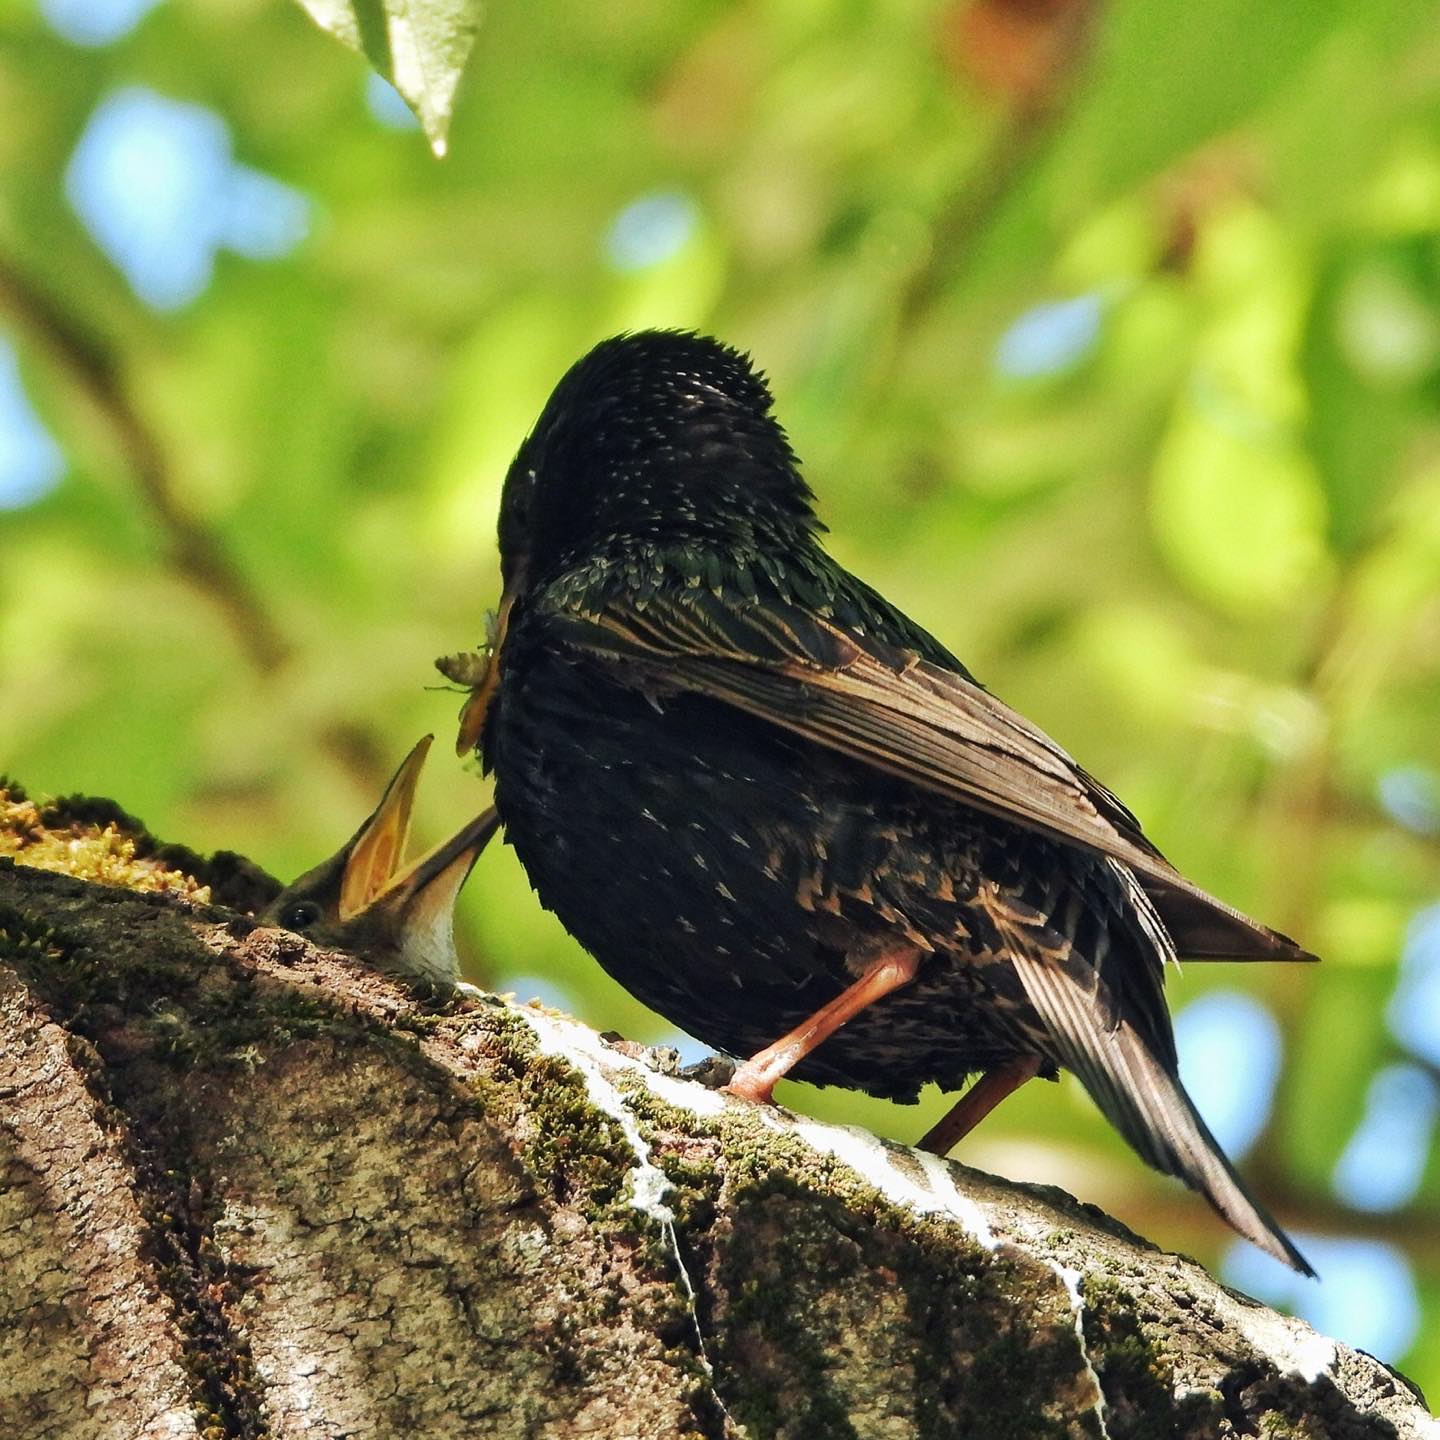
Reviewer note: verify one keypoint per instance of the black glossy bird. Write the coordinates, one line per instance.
(399, 916)
(771, 805)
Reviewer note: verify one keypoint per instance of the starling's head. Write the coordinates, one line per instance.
(362, 898)
(660, 436)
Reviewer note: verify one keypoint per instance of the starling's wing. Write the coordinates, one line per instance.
(1140, 1093)
(906, 716)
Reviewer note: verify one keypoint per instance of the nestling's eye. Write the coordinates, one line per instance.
(301, 915)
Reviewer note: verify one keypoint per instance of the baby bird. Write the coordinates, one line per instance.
(400, 917)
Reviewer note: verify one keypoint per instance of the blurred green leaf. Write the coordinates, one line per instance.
(1168, 76)
(1239, 513)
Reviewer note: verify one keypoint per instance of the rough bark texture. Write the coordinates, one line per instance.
(248, 1188)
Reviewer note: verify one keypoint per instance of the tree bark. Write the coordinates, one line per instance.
(249, 1188)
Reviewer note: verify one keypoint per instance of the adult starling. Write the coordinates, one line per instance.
(400, 917)
(771, 805)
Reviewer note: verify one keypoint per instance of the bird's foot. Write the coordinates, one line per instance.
(754, 1082)
(757, 1077)
(977, 1102)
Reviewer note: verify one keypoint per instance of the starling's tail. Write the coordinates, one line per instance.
(1142, 1097)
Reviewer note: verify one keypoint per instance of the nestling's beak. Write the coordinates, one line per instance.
(473, 712)
(372, 857)
(364, 898)
(416, 910)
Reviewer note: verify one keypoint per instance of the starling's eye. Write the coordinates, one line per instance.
(301, 915)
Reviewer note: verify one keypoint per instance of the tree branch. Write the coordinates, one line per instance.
(260, 1191)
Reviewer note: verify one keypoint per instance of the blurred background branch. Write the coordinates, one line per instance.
(194, 552)
(1027, 56)
(197, 555)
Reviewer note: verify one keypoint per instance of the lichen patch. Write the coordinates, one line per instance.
(108, 853)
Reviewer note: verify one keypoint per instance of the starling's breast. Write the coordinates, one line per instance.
(723, 873)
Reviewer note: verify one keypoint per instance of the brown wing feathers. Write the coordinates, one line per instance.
(913, 720)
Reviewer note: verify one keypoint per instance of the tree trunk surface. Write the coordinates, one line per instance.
(249, 1188)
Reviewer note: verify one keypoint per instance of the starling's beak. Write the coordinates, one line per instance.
(472, 714)
(373, 856)
(415, 911)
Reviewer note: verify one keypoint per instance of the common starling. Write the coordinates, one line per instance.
(771, 805)
(399, 917)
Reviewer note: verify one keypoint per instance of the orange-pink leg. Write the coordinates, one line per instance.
(977, 1102)
(755, 1079)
